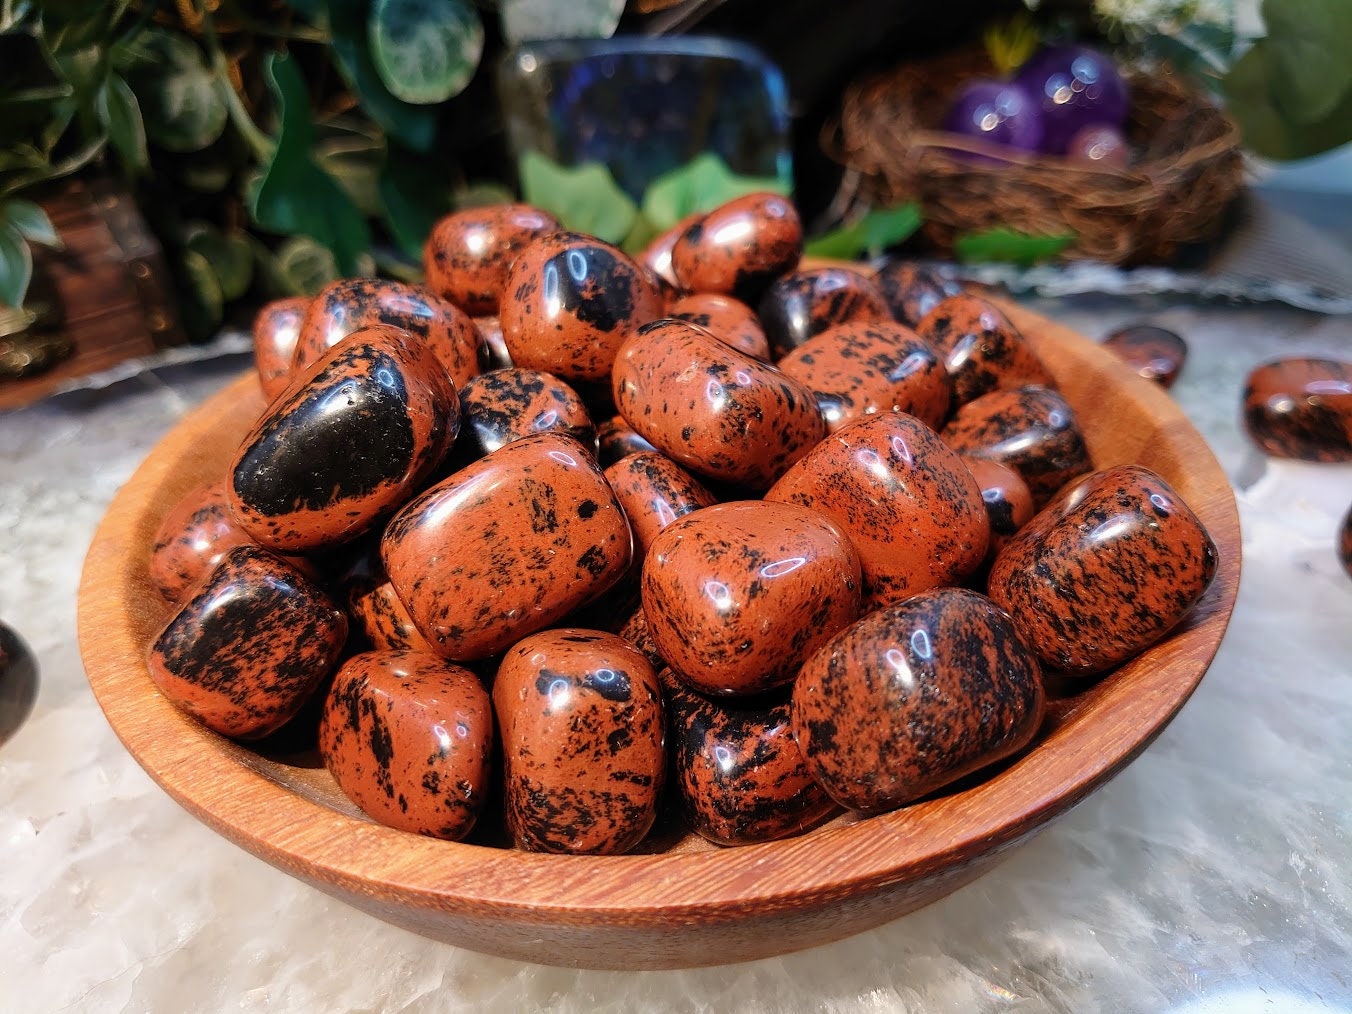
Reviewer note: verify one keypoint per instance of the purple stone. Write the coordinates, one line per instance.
(1074, 87)
(997, 111)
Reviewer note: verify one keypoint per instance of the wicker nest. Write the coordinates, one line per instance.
(1184, 173)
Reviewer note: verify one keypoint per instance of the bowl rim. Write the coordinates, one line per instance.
(217, 781)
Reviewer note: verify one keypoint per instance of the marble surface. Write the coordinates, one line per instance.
(1211, 875)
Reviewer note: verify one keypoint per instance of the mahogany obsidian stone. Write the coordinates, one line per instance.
(914, 696)
(1108, 568)
(570, 302)
(352, 304)
(726, 319)
(740, 247)
(247, 650)
(807, 302)
(276, 329)
(982, 348)
(478, 572)
(505, 405)
(738, 770)
(616, 439)
(408, 737)
(737, 595)
(912, 290)
(907, 502)
(1155, 353)
(861, 367)
(654, 491)
(1301, 408)
(583, 742)
(345, 444)
(1031, 429)
(468, 253)
(713, 409)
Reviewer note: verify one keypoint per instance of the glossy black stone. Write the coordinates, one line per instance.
(312, 456)
(805, 303)
(18, 682)
(739, 772)
(912, 290)
(1345, 543)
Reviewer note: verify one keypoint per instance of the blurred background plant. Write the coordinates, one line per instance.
(271, 146)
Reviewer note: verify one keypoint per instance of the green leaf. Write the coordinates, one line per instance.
(120, 115)
(83, 68)
(31, 222)
(354, 161)
(1307, 45)
(640, 234)
(525, 20)
(1001, 244)
(205, 289)
(305, 266)
(178, 99)
(206, 177)
(12, 15)
(21, 157)
(76, 160)
(1267, 131)
(80, 25)
(702, 184)
(585, 198)
(16, 266)
(40, 95)
(60, 115)
(414, 194)
(295, 195)
(426, 50)
(229, 256)
(414, 126)
(871, 235)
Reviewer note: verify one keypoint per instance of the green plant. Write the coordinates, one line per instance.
(1291, 90)
(586, 198)
(272, 146)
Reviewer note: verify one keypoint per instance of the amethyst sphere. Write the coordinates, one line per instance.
(996, 111)
(1074, 87)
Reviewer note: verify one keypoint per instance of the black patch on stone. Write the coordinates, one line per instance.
(587, 508)
(603, 298)
(1001, 514)
(350, 435)
(593, 561)
(612, 684)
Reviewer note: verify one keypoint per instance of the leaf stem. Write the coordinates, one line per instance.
(262, 146)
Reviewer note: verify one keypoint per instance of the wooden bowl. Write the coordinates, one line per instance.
(691, 904)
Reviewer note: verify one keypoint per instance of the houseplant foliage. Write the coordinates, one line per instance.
(272, 146)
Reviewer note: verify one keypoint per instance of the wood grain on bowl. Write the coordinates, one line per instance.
(690, 904)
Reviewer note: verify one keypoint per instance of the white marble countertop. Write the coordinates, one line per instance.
(1213, 874)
